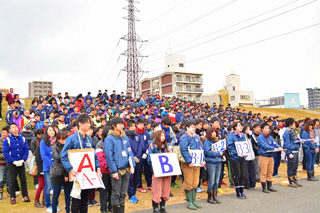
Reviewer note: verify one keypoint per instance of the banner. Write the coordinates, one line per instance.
(165, 164)
(242, 148)
(83, 162)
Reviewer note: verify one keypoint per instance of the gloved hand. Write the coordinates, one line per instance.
(144, 156)
(16, 163)
(21, 162)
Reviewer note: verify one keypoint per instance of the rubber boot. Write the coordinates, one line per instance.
(314, 176)
(194, 197)
(210, 198)
(155, 207)
(264, 185)
(37, 204)
(189, 200)
(1, 193)
(269, 183)
(296, 181)
(292, 183)
(241, 193)
(122, 208)
(215, 197)
(310, 177)
(116, 209)
(163, 206)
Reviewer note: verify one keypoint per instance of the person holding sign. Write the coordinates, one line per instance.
(120, 161)
(267, 147)
(213, 158)
(79, 140)
(161, 185)
(191, 142)
(238, 163)
(292, 151)
(310, 149)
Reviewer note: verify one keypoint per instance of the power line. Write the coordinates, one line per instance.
(232, 32)
(233, 25)
(190, 22)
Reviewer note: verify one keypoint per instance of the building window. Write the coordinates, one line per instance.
(245, 97)
(188, 78)
(234, 88)
(181, 65)
(188, 88)
(232, 98)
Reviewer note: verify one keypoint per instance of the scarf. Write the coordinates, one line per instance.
(267, 135)
(140, 131)
(166, 131)
(293, 133)
(52, 141)
(130, 133)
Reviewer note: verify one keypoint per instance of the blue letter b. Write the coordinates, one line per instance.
(164, 162)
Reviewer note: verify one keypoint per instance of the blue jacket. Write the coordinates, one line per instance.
(17, 149)
(179, 116)
(266, 144)
(164, 113)
(9, 115)
(66, 119)
(39, 125)
(153, 150)
(308, 144)
(73, 142)
(289, 143)
(42, 113)
(114, 147)
(136, 142)
(145, 137)
(86, 97)
(193, 143)
(46, 156)
(211, 157)
(48, 108)
(232, 137)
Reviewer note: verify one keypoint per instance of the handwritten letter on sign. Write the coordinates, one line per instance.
(242, 148)
(219, 146)
(165, 164)
(197, 157)
(83, 162)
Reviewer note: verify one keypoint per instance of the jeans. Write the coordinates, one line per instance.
(2, 173)
(310, 159)
(276, 160)
(292, 165)
(67, 186)
(105, 194)
(47, 188)
(119, 189)
(213, 176)
(13, 171)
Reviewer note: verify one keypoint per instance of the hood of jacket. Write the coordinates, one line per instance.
(116, 134)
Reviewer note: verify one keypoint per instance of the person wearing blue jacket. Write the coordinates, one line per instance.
(120, 161)
(267, 147)
(238, 163)
(161, 185)
(16, 150)
(213, 159)
(290, 138)
(41, 112)
(46, 144)
(136, 143)
(79, 140)
(310, 148)
(190, 141)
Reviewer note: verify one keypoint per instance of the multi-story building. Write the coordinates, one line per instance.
(314, 98)
(175, 81)
(38, 88)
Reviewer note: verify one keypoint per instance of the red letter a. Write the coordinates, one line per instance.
(81, 166)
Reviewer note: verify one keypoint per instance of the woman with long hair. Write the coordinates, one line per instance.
(213, 158)
(310, 148)
(46, 144)
(161, 185)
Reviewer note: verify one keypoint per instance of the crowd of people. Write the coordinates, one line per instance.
(125, 131)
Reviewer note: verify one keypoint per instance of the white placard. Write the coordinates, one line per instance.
(197, 157)
(165, 164)
(242, 148)
(219, 146)
(83, 162)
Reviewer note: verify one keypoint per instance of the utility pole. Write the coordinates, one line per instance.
(132, 51)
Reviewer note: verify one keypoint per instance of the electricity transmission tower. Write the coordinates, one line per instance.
(132, 51)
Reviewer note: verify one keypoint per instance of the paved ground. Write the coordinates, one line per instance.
(287, 199)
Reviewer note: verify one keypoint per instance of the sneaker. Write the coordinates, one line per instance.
(49, 209)
(17, 193)
(142, 190)
(171, 195)
(277, 176)
(316, 165)
(223, 183)
(205, 183)
(133, 200)
(220, 191)
(135, 197)
(36, 186)
(58, 209)
(26, 199)
(94, 202)
(183, 197)
(89, 204)
(174, 185)
(51, 192)
(199, 190)
(13, 201)
(149, 188)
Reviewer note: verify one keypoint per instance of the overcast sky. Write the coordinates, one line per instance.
(75, 43)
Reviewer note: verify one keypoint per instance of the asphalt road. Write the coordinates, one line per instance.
(287, 199)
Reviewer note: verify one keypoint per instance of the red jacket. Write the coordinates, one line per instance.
(10, 98)
(79, 104)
